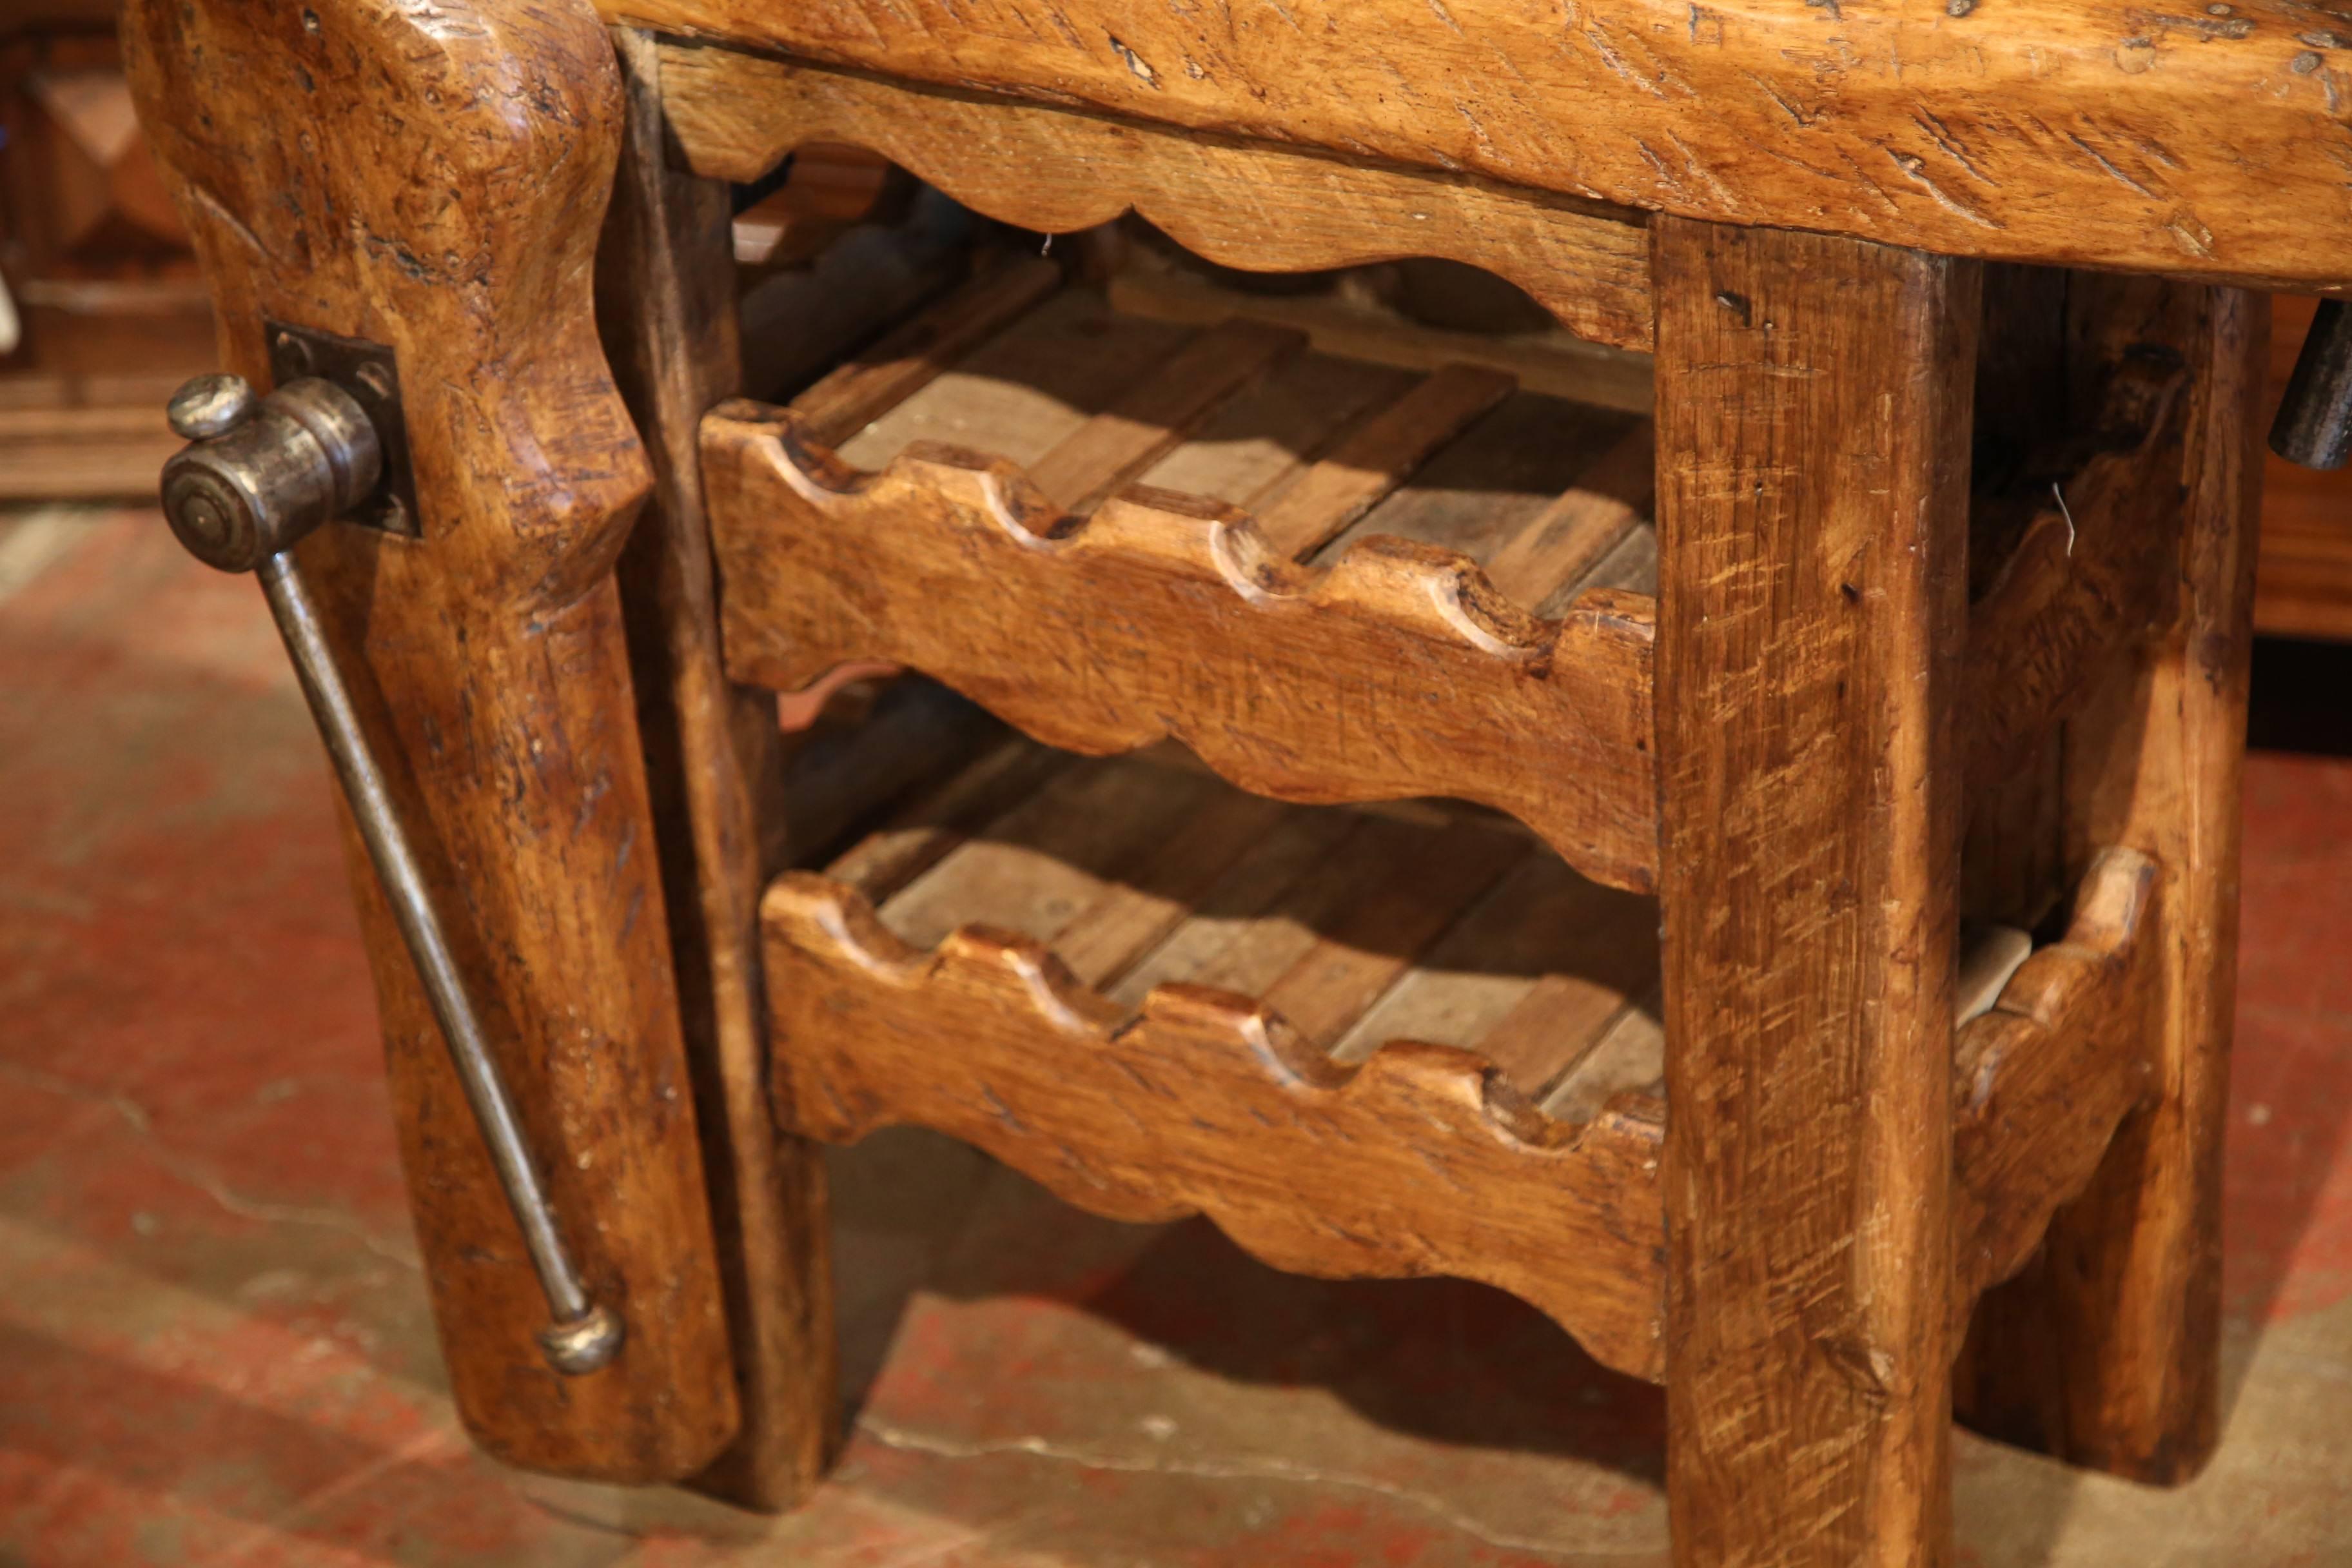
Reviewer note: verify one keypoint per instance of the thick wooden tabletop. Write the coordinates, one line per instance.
(2196, 137)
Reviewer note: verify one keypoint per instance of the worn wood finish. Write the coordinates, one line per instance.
(1305, 684)
(1267, 209)
(488, 659)
(2096, 569)
(853, 395)
(2065, 1050)
(2123, 1312)
(1208, 1103)
(665, 298)
(2055, 130)
(1153, 1063)
(1062, 921)
(1814, 416)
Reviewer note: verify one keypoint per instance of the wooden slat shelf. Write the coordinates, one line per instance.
(1158, 995)
(1333, 579)
(1108, 530)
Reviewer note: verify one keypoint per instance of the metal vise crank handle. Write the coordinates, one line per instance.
(257, 476)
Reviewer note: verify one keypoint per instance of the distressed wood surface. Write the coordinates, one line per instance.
(1813, 415)
(2056, 131)
(2042, 1079)
(488, 659)
(1064, 922)
(1416, 1163)
(1164, 615)
(2097, 568)
(2108, 1352)
(1152, 1064)
(1247, 204)
(666, 283)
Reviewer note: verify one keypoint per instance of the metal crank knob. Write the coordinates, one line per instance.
(257, 476)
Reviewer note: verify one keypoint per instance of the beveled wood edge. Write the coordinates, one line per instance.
(1426, 1161)
(982, 521)
(1057, 170)
(2042, 1083)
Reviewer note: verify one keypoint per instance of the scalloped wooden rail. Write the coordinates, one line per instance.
(1397, 671)
(1421, 1162)
(2042, 1080)
(1252, 206)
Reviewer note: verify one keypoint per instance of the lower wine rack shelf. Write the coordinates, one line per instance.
(1385, 1041)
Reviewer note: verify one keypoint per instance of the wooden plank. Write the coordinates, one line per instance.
(1551, 557)
(858, 392)
(1271, 209)
(1161, 615)
(1494, 481)
(2066, 131)
(1552, 362)
(1153, 416)
(1037, 868)
(1543, 930)
(1375, 459)
(928, 830)
(1275, 431)
(666, 276)
(1024, 391)
(1367, 944)
(1628, 1057)
(1812, 523)
(1129, 919)
(490, 667)
(1201, 1104)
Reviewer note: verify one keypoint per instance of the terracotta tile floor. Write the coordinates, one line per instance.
(214, 1346)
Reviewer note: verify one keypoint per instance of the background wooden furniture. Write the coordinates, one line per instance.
(1873, 641)
(107, 313)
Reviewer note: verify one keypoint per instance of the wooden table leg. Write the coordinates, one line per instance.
(2108, 1352)
(665, 286)
(433, 182)
(1813, 426)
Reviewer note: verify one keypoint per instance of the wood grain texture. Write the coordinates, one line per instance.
(488, 659)
(666, 297)
(1420, 1162)
(1813, 428)
(1396, 671)
(853, 395)
(2055, 130)
(2042, 1080)
(2122, 1314)
(1247, 204)
(2095, 569)
(1112, 972)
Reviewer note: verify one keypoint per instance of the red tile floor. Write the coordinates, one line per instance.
(214, 1345)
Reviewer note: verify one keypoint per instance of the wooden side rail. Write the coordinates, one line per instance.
(1207, 1103)
(1397, 671)
(2044, 1080)
(1247, 204)
(1415, 1159)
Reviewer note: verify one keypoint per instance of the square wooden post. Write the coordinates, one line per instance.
(1814, 434)
(666, 302)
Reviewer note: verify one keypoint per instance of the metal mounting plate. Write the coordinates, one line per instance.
(369, 373)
